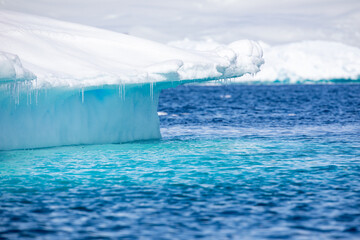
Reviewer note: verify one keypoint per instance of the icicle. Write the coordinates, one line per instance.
(82, 95)
(30, 96)
(17, 94)
(122, 91)
(36, 97)
(36, 93)
(152, 91)
(27, 96)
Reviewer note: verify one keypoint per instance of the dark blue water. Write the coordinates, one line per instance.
(235, 162)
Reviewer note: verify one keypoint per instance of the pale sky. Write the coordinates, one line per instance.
(278, 21)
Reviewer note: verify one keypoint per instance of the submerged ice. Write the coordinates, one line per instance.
(63, 83)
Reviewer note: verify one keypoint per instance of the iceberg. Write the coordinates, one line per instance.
(308, 62)
(63, 83)
(298, 62)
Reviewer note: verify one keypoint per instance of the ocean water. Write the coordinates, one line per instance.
(235, 162)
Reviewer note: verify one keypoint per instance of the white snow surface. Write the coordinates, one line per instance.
(304, 61)
(66, 54)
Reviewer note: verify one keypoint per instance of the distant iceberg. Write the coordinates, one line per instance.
(308, 61)
(63, 83)
(299, 62)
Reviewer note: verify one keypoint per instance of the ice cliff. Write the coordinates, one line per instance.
(63, 83)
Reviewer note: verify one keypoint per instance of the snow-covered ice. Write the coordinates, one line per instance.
(73, 55)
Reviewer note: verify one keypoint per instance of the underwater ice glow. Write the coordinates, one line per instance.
(65, 83)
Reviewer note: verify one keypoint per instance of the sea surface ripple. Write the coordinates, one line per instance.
(235, 162)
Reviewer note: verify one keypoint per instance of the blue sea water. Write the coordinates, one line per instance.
(235, 162)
